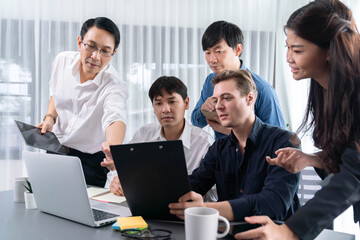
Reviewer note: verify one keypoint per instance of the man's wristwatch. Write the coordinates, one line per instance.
(50, 115)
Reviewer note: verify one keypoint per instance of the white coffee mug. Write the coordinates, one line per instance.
(201, 223)
(19, 189)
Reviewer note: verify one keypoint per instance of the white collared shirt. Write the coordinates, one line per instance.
(85, 110)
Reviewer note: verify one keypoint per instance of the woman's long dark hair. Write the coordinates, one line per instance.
(334, 113)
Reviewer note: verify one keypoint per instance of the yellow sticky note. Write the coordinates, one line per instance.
(131, 222)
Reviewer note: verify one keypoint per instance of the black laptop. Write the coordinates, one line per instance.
(152, 175)
(33, 138)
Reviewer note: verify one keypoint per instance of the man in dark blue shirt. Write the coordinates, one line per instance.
(246, 184)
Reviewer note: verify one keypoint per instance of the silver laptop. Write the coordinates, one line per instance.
(59, 189)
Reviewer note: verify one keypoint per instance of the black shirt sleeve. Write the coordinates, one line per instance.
(342, 191)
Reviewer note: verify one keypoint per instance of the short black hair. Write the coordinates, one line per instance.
(219, 30)
(168, 84)
(102, 23)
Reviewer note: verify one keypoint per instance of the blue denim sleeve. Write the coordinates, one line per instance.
(197, 118)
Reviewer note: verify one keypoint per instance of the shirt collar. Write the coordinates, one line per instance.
(99, 77)
(243, 65)
(75, 63)
(185, 136)
(253, 134)
(255, 130)
(159, 136)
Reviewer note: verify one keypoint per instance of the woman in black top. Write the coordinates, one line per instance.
(324, 45)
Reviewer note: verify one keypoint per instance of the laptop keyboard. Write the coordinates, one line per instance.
(101, 215)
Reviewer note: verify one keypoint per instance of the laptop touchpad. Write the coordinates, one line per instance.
(116, 209)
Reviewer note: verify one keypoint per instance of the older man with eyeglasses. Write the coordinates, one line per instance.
(87, 98)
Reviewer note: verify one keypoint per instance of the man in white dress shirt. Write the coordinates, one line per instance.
(170, 100)
(87, 98)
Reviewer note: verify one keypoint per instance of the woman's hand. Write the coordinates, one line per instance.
(268, 231)
(294, 160)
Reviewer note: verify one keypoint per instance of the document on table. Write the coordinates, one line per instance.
(104, 195)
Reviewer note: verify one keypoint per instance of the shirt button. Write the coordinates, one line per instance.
(241, 191)
(237, 149)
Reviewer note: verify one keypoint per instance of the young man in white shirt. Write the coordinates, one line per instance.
(87, 98)
(170, 100)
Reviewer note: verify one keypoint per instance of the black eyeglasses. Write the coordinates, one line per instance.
(93, 48)
(147, 234)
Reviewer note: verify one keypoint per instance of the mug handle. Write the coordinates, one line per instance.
(221, 235)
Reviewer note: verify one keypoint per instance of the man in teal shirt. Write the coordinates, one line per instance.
(223, 43)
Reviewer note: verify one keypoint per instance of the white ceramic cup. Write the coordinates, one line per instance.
(19, 189)
(201, 223)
